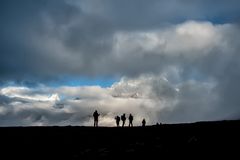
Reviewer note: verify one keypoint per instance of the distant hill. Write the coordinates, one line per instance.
(191, 140)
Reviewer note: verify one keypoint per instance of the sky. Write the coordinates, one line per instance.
(168, 61)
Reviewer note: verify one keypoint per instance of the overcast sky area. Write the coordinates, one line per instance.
(168, 61)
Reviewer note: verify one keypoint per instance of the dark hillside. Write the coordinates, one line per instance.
(183, 140)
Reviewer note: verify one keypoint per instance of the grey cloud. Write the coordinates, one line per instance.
(4, 100)
(34, 117)
(196, 101)
(132, 15)
(39, 38)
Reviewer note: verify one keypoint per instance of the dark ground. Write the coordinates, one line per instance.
(180, 140)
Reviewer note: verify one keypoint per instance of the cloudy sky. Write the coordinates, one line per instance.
(168, 61)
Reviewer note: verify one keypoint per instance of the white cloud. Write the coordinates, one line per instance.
(148, 96)
(28, 94)
(188, 38)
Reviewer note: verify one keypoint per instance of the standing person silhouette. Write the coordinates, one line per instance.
(130, 118)
(95, 116)
(123, 118)
(117, 118)
(143, 122)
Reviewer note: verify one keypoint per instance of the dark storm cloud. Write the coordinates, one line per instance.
(20, 22)
(4, 100)
(48, 39)
(139, 14)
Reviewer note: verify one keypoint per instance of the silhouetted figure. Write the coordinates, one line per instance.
(123, 118)
(130, 118)
(95, 116)
(117, 118)
(143, 122)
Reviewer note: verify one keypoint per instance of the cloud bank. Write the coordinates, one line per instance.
(174, 62)
(53, 39)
